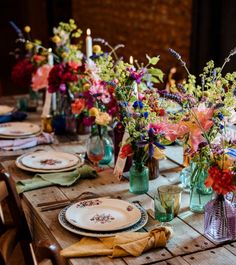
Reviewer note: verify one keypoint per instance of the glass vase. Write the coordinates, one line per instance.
(220, 220)
(138, 178)
(200, 195)
(153, 168)
(108, 149)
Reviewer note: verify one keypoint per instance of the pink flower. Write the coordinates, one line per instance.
(40, 77)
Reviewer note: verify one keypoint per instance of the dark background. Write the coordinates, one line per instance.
(198, 29)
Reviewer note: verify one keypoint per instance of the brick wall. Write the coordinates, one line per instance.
(144, 26)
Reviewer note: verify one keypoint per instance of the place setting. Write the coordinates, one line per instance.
(102, 217)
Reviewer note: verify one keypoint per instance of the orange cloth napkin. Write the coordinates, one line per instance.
(121, 245)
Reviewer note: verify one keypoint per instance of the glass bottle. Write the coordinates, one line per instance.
(108, 148)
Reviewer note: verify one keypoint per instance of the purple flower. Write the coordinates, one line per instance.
(62, 88)
(137, 76)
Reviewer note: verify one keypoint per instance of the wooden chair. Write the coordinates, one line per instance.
(18, 231)
(47, 251)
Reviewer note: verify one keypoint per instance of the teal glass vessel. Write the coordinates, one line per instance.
(138, 178)
(200, 195)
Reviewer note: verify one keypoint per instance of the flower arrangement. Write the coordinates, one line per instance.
(206, 110)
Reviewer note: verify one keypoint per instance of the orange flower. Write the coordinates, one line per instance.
(78, 106)
(202, 116)
(126, 150)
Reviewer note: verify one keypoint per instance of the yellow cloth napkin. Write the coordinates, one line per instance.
(121, 245)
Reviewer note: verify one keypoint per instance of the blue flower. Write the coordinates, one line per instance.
(221, 126)
(145, 114)
(138, 104)
(220, 116)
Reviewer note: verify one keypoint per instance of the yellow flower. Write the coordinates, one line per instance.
(64, 55)
(56, 39)
(27, 29)
(94, 112)
(158, 153)
(103, 118)
(206, 94)
(97, 48)
(86, 86)
(29, 46)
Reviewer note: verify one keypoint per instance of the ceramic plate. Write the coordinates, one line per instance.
(5, 109)
(103, 214)
(19, 164)
(49, 160)
(142, 221)
(18, 129)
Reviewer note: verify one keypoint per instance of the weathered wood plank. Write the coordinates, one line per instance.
(174, 261)
(231, 247)
(217, 256)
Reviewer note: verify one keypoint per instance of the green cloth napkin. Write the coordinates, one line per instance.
(62, 179)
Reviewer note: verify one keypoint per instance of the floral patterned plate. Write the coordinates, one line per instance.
(80, 231)
(18, 129)
(102, 214)
(49, 160)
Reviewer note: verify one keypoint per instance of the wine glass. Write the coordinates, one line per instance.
(95, 150)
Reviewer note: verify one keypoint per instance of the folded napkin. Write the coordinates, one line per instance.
(15, 116)
(43, 138)
(62, 179)
(121, 245)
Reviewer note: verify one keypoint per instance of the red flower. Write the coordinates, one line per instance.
(61, 74)
(22, 73)
(220, 180)
(126, 150)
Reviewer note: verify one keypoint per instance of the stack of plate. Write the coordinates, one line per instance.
(102, 217)
(17, 130)
(48, 161)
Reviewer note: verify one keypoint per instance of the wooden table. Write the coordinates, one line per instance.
(188, 245)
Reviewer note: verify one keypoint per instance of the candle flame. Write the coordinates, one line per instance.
(131, 59)
(49, 49)
(88, 32)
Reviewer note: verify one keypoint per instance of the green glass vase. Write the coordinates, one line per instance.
(200, 195)
(138, 178)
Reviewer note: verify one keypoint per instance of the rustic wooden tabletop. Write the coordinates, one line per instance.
(188, 245)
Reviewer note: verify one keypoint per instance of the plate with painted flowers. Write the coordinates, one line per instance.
(102, 214)
(80, 231)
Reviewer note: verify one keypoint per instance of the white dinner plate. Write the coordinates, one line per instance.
(18, 129)
(21, 166)
(80, 231)
(49, 160)
(4, 109)
(103, 214)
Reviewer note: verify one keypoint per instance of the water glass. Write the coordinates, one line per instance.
(167, 202)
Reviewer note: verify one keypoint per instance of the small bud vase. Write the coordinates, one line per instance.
(138, 178)
(220, 220)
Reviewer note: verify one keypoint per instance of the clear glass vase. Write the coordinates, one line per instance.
(220, 220)
(138, 178)
(200, 195)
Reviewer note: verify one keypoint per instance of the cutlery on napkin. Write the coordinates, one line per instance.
(121, 245)
(50, 179)
(43, 138)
